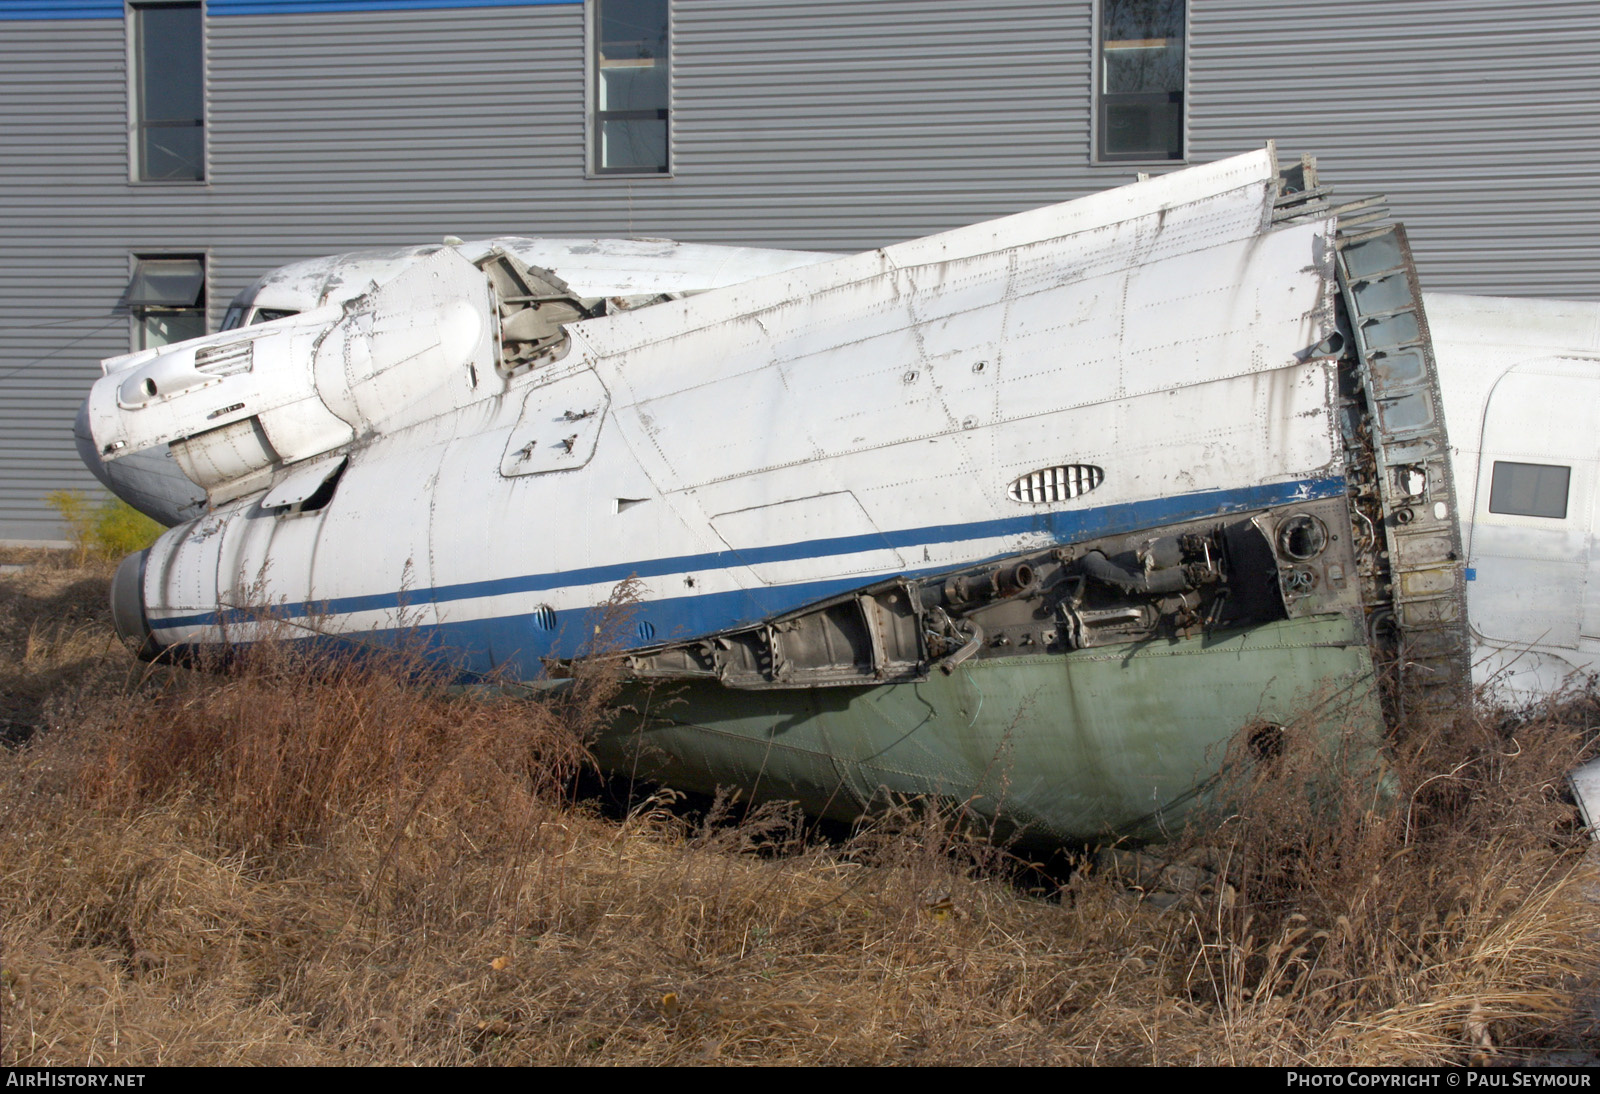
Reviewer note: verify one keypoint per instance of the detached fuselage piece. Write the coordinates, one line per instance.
(1033, 515)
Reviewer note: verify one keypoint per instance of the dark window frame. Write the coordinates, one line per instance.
(1103, 101)
(1501, 486)
(143, 128)
(595, 118)
(145, 301)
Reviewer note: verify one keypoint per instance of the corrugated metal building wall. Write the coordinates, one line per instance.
(1479, 118)
(829, 124)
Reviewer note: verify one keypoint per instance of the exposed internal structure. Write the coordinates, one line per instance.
(1183, 581)
(1388, 554)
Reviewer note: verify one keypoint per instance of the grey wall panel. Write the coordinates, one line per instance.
(829, 124)
(1479, 119)
(833, 125)
(849, 125)
(63, 168)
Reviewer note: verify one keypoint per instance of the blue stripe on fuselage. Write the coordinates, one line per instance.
(515, 638)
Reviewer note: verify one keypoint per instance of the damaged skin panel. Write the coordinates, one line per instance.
(1099, 744)
(1187, 580)
(595, 268)
(533, 308)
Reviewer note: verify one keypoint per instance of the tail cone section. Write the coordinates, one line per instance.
(127, 607)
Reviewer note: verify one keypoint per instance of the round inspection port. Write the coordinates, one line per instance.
(149, 386)
(1264, 740)
(1302, 537)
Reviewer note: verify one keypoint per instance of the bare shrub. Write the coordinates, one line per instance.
(105, 528)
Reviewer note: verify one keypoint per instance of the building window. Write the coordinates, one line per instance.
(1529, 489)
(1139, 67)
(630, 58)
(168, 76)
(166, 299)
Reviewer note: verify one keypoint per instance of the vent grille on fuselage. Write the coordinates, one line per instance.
(1054, 484)
(229, 360)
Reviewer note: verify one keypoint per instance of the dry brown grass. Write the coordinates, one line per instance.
(301, 864)
(55, 637)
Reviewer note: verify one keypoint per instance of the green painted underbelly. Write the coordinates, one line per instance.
(1105, 742)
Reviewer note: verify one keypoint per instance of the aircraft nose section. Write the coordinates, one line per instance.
(151, 481)
(88, 452)
(127, 606)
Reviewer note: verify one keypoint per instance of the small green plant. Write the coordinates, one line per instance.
(108, 529)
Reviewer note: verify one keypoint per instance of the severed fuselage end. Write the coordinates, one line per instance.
(1033, 516)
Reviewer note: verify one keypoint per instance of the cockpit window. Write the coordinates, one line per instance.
(239, 315)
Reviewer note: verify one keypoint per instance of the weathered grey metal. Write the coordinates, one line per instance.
(831, 124)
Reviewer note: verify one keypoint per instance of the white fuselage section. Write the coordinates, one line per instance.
(750, 448)
(1521, 386)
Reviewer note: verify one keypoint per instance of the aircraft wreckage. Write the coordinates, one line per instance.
(1032, 515)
